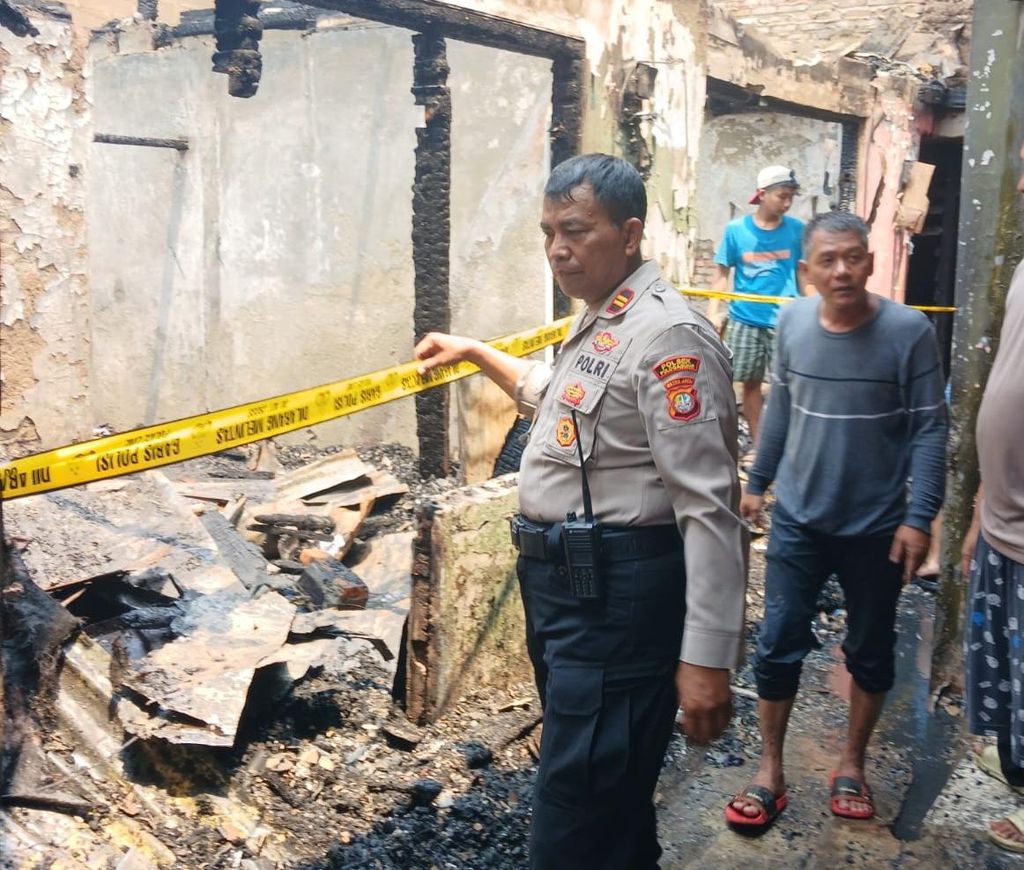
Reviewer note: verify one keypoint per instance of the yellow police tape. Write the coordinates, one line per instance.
(776, 300)
(204, 434)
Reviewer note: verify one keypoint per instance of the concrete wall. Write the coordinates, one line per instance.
(275, 253)
(668, 35)
(466, 624)
(44, 379)
(733, 148)
(501, 109)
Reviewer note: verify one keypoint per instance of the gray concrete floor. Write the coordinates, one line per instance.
(932, 804)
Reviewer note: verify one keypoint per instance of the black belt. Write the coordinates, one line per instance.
(618, 543)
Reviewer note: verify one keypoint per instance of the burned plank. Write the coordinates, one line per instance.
(308, 522)
(321, 476)
(282, 531)
(47, 802)
(331, 583)
(241, 556)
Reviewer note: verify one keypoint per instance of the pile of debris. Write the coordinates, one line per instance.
(193, 584)
(208, 663)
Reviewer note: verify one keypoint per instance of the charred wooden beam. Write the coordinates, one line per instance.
(237, 29)
(15, 20)
(143, 141)
(463, 24)
(431, 234)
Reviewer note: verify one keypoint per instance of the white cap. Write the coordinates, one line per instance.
(772, 175)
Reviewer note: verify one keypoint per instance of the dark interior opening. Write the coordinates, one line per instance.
(931, 276)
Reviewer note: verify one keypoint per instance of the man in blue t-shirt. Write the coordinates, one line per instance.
(763, 249)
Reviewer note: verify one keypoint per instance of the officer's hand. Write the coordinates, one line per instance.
(438, 349)
(909, 546)
(706, 700)
(751, 507)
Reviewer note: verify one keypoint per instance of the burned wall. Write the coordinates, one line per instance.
(894, 28)
(276, 252)
(668, 35)
(501, 109)
(44, 128)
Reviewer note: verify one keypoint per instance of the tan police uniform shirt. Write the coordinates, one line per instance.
(651, 385)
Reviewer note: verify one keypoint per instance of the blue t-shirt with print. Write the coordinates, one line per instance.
(765, 264)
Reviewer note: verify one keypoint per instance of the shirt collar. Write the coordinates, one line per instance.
(623, 297)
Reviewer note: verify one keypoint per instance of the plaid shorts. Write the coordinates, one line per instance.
(752, 350)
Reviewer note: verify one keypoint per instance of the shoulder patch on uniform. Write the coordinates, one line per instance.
(673, 365)
(573, 394)
(683, 402)
(565, 432)
(604, 342)
(621, 301)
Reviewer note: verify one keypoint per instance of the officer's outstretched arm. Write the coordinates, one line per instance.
(438, 349)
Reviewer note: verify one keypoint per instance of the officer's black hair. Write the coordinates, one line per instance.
(834, 222)
(616, 185)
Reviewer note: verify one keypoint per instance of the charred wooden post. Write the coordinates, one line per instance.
(431, 234)
(238, 30)
(991, 239)
(566, 131)
(639, 87)
(566, 107)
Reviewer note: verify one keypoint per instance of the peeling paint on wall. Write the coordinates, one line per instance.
(43, 287)
(891, 141)
(668, 36)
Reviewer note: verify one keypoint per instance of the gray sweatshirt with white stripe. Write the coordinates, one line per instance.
(851, 416)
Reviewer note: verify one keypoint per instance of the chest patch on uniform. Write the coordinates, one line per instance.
(675, 365)
(573, 394)
(604, 342)
(683, 403)
(621, 301)
(588, 364)
(565, 432)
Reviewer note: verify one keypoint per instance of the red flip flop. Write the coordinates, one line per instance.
(847, 787)
(771, 807)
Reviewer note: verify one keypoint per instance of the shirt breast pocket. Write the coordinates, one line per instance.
(579, 396)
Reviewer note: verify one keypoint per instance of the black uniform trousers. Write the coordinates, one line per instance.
(606, 672)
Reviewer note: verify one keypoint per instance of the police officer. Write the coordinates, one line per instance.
(643, 611)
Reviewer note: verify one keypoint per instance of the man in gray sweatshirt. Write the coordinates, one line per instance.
(856, 410)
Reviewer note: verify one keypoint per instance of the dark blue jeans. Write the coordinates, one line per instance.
(800, 560)
(606, 671)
